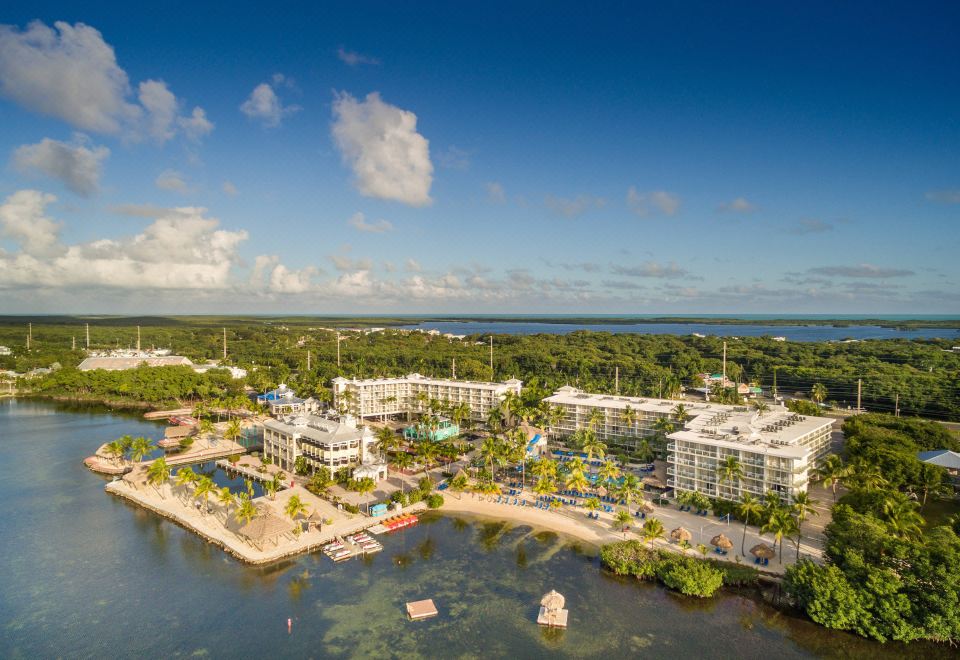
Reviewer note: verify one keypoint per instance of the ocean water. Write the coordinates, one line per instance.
(86, 575)
(804, 333)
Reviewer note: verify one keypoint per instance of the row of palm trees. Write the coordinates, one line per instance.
(130, 448)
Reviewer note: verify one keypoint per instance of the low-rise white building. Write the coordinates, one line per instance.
(322, 442)
(385, 397)
(284, 401)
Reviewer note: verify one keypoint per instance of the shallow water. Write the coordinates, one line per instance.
(84, 574)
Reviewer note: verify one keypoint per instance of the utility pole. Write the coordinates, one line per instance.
(338, 350)
(224, 343)
(491, 357)
(774, 383)
(308, 359)
(616, 380)
(724, 381)
(73, 343)
(29, 334)
(859, 389)
(88, 336)
(138, 339)
(660, 386)
(454, 369)
(896, 405)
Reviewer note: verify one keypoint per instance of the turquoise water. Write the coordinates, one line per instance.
(84, 574)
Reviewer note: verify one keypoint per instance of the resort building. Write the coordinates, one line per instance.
(406, 395)
(284, 401)
(777, 450)
(322, 442)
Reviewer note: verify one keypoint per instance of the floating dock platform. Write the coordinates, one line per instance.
(421, 609)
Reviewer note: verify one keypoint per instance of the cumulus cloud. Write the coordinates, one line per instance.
(346, 264)
(181, 250)
(947, 196)
(173, 181)
(738, 205)
(70, 72)
(196, 125)
(860, 270)
(571, 208)
(285, 280)
(353, 58)
(359, 222)
(495, 193)
(651, 269)
(264, 105)
(77, 165)
(380, 143)
(653, 202)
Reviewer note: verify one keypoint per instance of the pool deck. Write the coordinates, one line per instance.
(220, 528)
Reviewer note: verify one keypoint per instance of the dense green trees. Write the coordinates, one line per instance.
(689, 576)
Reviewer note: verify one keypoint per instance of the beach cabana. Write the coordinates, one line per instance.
(680, 535)
(763, 551)
(265, 527)
(551, 610)
(654, 482)
(315, 520)
(722, 542)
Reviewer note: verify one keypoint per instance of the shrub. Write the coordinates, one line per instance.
(414, 496)
(735, 575)
(689, 577)
(425, 484)
(233, 458)
(351, 508)
(435, 500)
(397, 497)
(630, 558)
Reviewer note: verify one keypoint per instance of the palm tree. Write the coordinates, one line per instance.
(204, 489)
(296, 507)
(403, 460)
(652, 530)
(629, 417)
(901, 516)
(749, 506)
(597, 417)
(592, 503)
(554, 416)
(608, 472)
(629, 490)
(460, 414)
(592, 446)
(761, 407)
(931, 481)
(459, 484)
(246, 511)
(622, 520)
(866, 477)
(664, 426)
(158, 473)
(545, 486)
(364, 487)
(680, 413)
(577, 481)
(833, 472)
(139, 448)
(227, 499)
(495, 420)
(730, 470)
(116, 450)
(818, 392)
(802, 508)
(780, 524)
(489, 451)
(233, 431)
(386, 440)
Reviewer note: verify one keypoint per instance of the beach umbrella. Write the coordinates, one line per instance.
(653, 482)
(680, 535)
(553, 601)
(763, 551)
(601, 491)
(721, 542)
(646, 507)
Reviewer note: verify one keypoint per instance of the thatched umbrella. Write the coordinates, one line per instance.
(653, 482)
(763, 551)
(601, 491)
(721, 542)
(553, 601)
(315, 519)
(680, 535)
(646, 507)
(265, 526)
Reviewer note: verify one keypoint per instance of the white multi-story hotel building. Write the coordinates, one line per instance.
(385, 397)
(322, 442)
(777, 450)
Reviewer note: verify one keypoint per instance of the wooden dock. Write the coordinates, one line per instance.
(421, 609)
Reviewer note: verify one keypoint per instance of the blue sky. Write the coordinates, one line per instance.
(483, 157)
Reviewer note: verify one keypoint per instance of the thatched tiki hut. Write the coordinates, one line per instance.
(680, 535)
(763, 551)
(721, 542)
(265, 527)
(551, 610)
(646, 507)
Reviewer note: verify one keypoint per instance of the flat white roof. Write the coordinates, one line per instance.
(417, 378)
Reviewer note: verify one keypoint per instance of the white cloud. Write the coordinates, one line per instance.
(358, 221)
(651, 269)
(23, 218)
(230, 189)
(354, 58)
(264, 105)
(70, 72)
(655, 201)
(572, 208)
(413, 266)
(180, 250)
(346, 264)
(196, 125)
(860, 270)
(380, 143)
(285, 280)
(141, 210)
(76, 165)
(495, 193)
(738, 205)
(173, 181)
